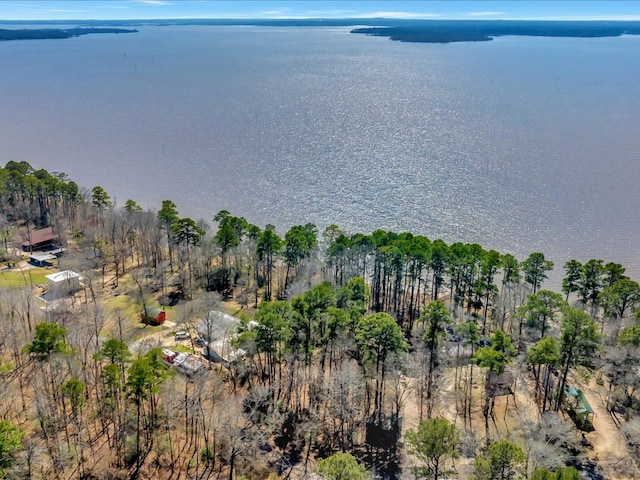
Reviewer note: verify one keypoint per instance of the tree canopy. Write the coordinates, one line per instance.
(48, 339)
(505, 461)
(341, 466)
(435, 441)
(535, 269)
(10, 441)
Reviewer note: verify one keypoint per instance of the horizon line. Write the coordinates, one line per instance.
(627, 18)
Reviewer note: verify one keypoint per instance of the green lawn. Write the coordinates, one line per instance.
(182, 348)
(26, 278)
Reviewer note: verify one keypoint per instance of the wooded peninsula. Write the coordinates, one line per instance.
(54, 33)
(142, 344)
(447, 31)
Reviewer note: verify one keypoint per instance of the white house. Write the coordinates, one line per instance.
(218, 329)
(62, 283)
(218, 325)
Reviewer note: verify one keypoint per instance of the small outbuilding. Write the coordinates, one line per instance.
(62, 283)
(41, 260)
(153, 316)
(579, 409)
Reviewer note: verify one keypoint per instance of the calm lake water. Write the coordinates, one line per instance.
(520, 144)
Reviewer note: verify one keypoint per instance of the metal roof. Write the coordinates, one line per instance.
(583, 404)
(63, 276)
(44, 257)
(151, 311)
(217, 325)
(37, 237)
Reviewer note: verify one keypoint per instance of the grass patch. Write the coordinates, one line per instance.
(21, 279)
(128, 309)
(181, 348)
(127, 305)
(124, 302)
(7, 367)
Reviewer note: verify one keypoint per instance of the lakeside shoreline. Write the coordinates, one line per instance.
(54, 33)
(405, 30)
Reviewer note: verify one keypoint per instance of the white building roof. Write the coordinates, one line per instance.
(63, 276)
(44, 257)
(218, 325)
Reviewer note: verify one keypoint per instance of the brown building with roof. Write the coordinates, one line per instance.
(42, 239)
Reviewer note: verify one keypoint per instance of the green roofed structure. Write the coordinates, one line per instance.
(579, 409)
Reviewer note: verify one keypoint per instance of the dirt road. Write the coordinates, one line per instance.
(609, 447)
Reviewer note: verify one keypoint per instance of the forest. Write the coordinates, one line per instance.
(54, 33)
(447, 31)
(382, 355)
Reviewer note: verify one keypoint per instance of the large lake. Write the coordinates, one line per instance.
(520, 144)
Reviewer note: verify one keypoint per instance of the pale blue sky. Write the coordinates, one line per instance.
(452, 9)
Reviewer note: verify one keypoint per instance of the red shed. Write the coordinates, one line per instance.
(153, 316)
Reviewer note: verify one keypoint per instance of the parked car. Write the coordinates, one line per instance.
(201, 342)
(182, 335)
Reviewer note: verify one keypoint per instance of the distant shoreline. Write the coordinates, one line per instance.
(420, 31)
(54, 33)
(484, 31)
(417, 31)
